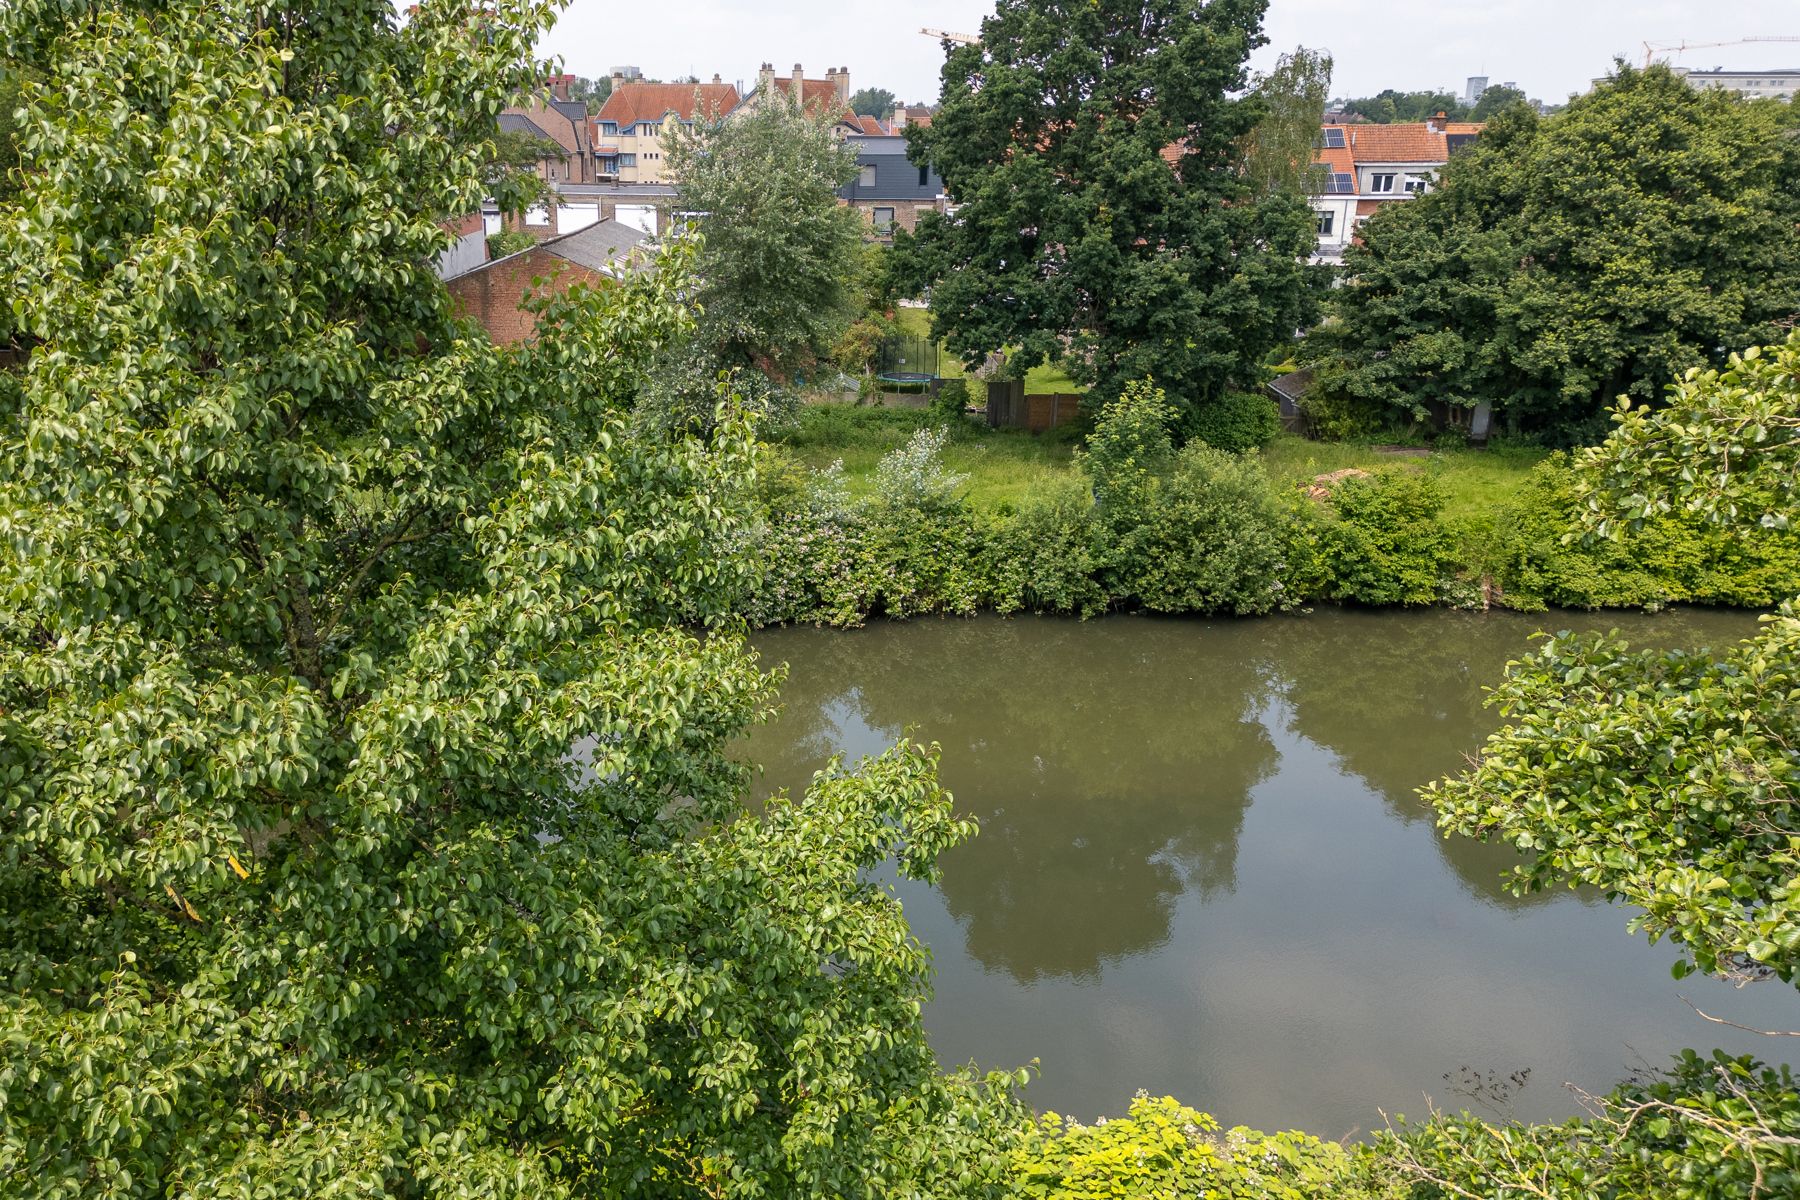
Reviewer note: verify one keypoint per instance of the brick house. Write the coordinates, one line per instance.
(1365, 166)
(629, 132)
(597, 255)
(564, 124)
(889, 190)
(829, 97)
(645, 206)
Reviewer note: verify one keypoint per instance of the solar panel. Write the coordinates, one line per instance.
(1339, 185)
(1334, 139)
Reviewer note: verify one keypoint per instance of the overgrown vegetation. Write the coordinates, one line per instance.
(1035, 525)
(1566, 261)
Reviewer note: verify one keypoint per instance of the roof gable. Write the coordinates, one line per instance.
(635, 103)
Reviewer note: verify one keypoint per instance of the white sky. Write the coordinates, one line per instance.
(1550, 47)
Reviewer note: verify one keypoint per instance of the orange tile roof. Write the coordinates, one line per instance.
(631, 103)
(871, 125)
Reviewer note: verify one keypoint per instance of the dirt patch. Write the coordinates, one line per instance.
(1321, 485)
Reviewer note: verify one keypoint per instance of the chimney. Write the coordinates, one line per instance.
(618, 80)
(797, 85)
(1437, 122)
(765, 78)
(716, 79)
(843, 85)
(559, 85)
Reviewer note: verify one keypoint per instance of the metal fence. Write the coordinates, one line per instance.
(903, 359)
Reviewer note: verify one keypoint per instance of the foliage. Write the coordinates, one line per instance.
(11, 99)
(591, 92)
(1164, 1151)
(509, 241)
(951, 403)
(1279, 154)
(775, 276)
(1390, 107)
(366, 819)
(873, 102)
(1495, 98)
(1707, 1130)
(1074, 239)
(1563, 262)
(1382, 541)
(1723, 449)
(1240, 421)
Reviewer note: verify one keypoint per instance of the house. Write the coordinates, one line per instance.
(889, 190)
(631, 130)
(561, 122)
(596, 255)
(1363, 166)
(828, 97)
(468, 251)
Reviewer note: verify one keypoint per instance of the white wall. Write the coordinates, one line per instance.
(638, 216)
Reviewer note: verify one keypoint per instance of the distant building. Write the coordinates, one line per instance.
(827, 97)
(494, 293)
(1779, 84)
(889, 190)
(632, 129)
(648, 207)
(1472, 92)
(1363, 167)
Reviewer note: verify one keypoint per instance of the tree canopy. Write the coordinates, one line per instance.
(366, 821)
(1390, 107)
(873, 102)
(1280, 153)
(1104, 216)
(776, 276)
(1562, 262)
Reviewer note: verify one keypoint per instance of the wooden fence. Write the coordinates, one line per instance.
(1008, 407)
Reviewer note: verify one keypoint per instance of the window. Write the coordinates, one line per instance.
(1416, 184)
(884, 220)
(1327, 221)
(924, 176)
(1381, 183)
(867, 179)
(1334, 139)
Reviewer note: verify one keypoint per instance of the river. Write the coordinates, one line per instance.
(1203, 870)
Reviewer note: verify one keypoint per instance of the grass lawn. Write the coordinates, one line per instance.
(1005, 466)
(1039, 381)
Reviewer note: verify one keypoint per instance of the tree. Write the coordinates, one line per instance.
(1104, 216)
(1389, 107)
(1669, 781)
(592, 92)
(874, 102)
(366, 819)
(776, 276)
(1562, 262)
(1495, 98)
(1280, 152)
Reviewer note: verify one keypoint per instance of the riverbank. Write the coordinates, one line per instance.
(919, 520)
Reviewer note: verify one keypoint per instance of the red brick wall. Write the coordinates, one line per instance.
(493, 295)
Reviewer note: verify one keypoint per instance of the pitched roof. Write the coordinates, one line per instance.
(518, 122)
(611, 247)
(631, 103)
(553, 122)
(871, 126)
(1414, 142)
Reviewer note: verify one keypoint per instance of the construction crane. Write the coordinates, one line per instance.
(969, 39)
(1652, 49)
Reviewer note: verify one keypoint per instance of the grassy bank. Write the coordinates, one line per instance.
(1005, 466)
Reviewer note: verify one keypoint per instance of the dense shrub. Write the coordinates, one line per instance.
(1163, 1149)
(1046, 558)
(1383, 540)
(951, 404)
(1672, 558)
(1235, 422)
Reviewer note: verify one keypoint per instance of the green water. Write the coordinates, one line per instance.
(1203, 870)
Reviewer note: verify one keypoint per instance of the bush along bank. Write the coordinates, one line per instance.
(1151, 528)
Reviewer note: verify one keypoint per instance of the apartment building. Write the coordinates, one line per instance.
(1364, 166)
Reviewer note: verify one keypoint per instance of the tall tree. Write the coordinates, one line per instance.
(592, 92)
(1495, 98)
(874, 102)
(366, 821)
(1094, 148)
(1562, 262)
(1279, 153)
(781, 253)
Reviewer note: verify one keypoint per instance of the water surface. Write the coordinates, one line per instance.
(1203, 870)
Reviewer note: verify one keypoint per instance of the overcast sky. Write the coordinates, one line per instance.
(1550, 47)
